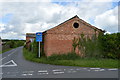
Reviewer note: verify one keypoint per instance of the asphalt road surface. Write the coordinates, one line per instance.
(15, 66)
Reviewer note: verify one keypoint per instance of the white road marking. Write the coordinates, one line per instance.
(5, 64)
(30, 74)
(14, 63)
(84, 68)
(27, 74)
(71, 69)
(24, 74)
(7, 55)
(102, 70)
(28, 71)
(94, 68)
(58, 72)
(43, 71)
(12, 72)
(2, 58)
(113, 69)
(77, 69)
(11, 53)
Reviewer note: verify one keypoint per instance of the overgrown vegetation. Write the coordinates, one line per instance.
(103, 46)
(33, 47)
(81, 62)
(10, 44)
(96, 51)
(68, 56)
(89, 47)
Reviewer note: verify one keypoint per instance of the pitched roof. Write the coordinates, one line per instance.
(30, 35)
(82, 21)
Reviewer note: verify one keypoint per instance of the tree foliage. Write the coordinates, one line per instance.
(15, 43)
(111, 45)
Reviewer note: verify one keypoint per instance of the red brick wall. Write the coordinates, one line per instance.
(45, 39)
(59, 40)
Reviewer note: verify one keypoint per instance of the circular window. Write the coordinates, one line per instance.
(75, 25)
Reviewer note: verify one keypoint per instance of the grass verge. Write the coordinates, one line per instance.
(6, 50)
(81, 62)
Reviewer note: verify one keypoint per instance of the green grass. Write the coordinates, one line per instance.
(81, 62)
(6, 50)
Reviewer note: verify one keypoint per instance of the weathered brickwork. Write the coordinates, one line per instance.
(59, 39)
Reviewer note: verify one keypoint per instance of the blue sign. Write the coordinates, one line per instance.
(39, 37)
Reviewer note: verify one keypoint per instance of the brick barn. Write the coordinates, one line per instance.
(59, 40)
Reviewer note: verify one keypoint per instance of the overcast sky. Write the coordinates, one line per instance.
(20, 17)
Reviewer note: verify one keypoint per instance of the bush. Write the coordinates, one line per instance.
(111, 45)
(68, 56)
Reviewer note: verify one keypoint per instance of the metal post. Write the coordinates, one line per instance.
(39, 49)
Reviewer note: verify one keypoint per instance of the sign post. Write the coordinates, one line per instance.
(39, 50)
(39, 39)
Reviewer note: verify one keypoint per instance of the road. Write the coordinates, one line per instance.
(15, 66)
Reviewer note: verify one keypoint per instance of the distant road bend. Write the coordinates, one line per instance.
(15, 66)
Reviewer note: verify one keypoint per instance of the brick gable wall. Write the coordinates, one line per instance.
(59, 39)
